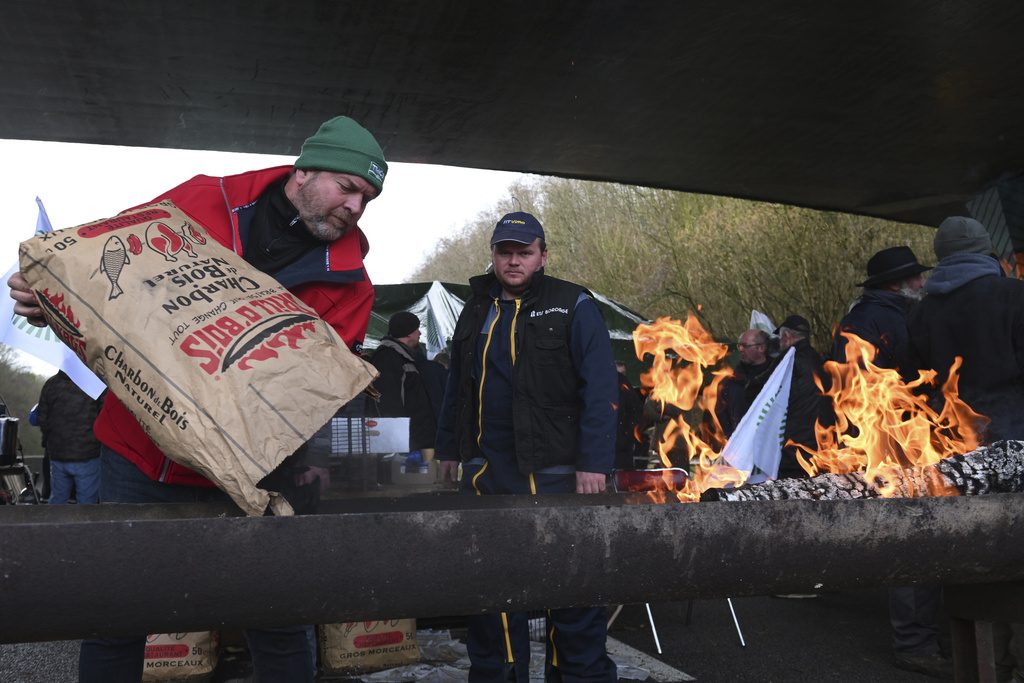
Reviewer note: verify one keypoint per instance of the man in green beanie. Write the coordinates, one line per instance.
(300, 224)
(339, 165)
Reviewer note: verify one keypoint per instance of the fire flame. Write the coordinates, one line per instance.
(58, 303)
(683, 354)
(289, 337)
(884, 426)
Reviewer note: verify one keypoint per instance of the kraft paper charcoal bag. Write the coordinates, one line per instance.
(363, 646)
(180, 657)
(224, 369)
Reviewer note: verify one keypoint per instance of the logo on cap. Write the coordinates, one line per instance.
(376, 171)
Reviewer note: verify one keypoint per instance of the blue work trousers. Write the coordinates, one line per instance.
(499, 644)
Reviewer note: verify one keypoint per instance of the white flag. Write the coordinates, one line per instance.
(756, 445)
(760, 321)
(41, 342)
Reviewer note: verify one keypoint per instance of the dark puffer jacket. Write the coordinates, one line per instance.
(403, 393)
(981, 319)
(880, 318)
(807, 405)
(66, 415)
(733, 400)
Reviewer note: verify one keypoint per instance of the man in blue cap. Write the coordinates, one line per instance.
(530, 408)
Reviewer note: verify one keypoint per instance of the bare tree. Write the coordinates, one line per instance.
(666, 253)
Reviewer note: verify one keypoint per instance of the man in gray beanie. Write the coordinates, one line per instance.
(300, 224)
(973, 311)
(961, 235)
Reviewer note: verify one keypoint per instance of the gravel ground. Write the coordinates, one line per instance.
(55, 662)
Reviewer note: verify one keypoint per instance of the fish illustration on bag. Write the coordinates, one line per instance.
(165, 241)
(113, 260)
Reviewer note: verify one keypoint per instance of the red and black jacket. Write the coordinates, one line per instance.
(330, 279)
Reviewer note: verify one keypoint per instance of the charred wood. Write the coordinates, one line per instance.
(998, 468)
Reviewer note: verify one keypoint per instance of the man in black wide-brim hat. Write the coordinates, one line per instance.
(894, 284)
(879, 317)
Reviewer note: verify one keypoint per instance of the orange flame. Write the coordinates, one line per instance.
(289, 337)
(885, 425)
(58, 302)
(682, 355)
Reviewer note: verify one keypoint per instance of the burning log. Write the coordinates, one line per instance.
(998, 468)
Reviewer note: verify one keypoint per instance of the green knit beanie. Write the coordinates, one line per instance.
(343, 146)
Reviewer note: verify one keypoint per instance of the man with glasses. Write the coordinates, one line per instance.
(732, 397)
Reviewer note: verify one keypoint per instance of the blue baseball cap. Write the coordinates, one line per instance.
(517, 227)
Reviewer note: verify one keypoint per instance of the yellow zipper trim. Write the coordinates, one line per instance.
(512, 333)
(508, 640)
(477, 476)
(483, 374)
(551, 637)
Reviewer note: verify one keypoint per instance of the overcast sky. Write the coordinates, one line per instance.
(82, 183)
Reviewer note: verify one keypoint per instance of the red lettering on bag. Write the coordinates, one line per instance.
(166, 651)
(123, 221)
(378, 639)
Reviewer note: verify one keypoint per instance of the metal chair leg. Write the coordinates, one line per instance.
(654, 629)
(736, 621)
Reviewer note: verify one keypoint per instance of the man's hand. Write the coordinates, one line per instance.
(25, 302)
(448, 471)
(590, 482)
(311, 474)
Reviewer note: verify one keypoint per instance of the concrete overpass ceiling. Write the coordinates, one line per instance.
(897, 109)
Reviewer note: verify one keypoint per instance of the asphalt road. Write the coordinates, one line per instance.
(836, 637)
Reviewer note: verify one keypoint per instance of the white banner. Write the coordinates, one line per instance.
(756, 445)
(17, 332)
(760, 321)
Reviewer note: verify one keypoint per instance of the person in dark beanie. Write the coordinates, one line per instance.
(972, 311)
(300, 224)
(530, 408)
(66, 414)
(401, 386)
